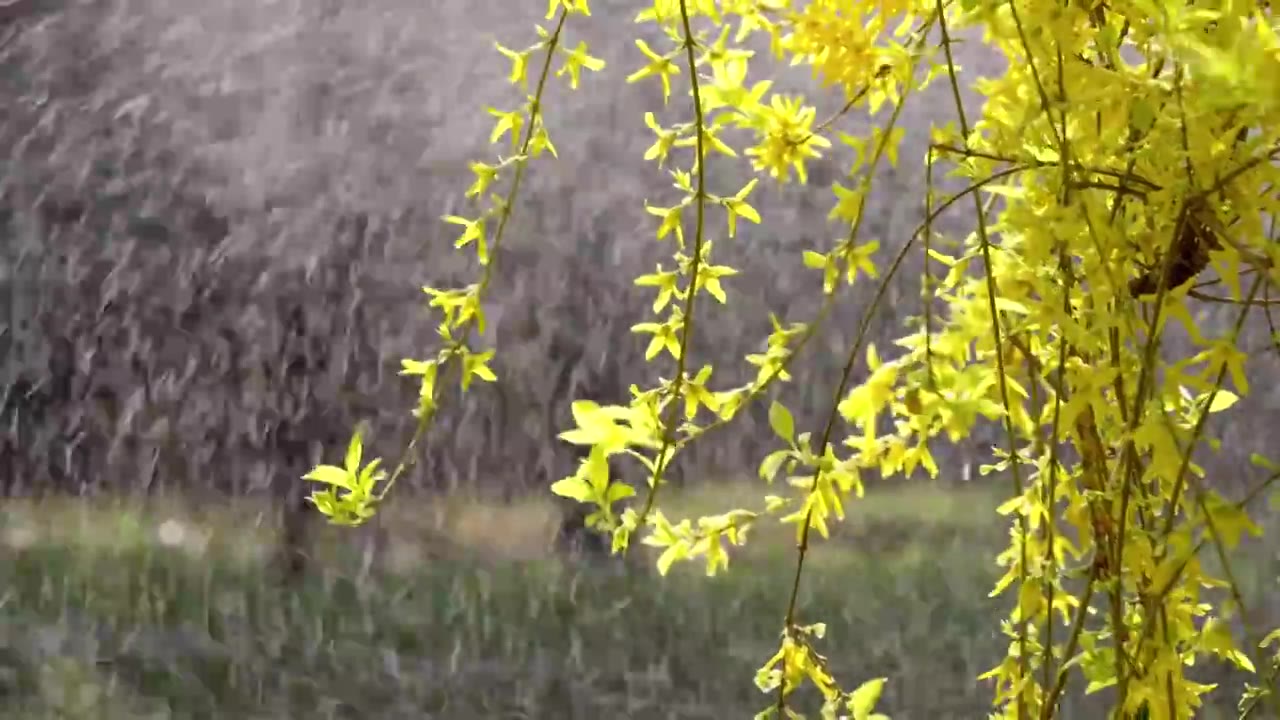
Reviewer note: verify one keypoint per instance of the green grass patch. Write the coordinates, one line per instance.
(118, 610)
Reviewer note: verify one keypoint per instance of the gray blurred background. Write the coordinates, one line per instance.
(215, 219)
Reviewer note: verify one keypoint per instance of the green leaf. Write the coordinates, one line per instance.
(781, 421)
(370, 476)
(621, 540)
(1230, 520)
(1260, 460)
(330, 475)
(598, 470)
(1144, 115)
(619, 491)
(773, 503)
(1272, 637)
(1004, 304)
(354, 451)
(572, 487)
(772, 463)
(1216, 638)
(863, 700)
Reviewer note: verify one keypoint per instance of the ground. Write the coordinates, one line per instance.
(167, 611)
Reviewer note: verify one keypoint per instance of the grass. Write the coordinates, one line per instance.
(116, 610)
